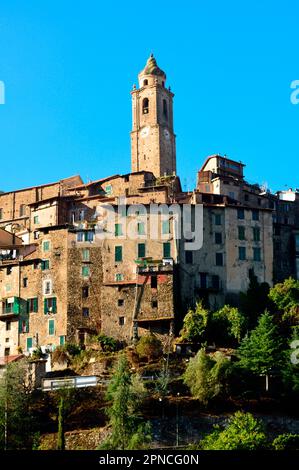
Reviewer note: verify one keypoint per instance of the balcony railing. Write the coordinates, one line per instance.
(150, 266)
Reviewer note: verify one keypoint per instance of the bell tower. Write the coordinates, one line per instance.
(152, 136)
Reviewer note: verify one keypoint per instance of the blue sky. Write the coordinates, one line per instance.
(69, 66)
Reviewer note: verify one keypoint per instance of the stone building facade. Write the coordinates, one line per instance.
(66, 274)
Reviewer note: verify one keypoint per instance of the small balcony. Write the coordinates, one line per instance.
(10, 308)
(148, 266)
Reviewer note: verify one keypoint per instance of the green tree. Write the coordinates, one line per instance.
(126, 393)
(229, 322)
(255, 301)
(149, 346)
(290, 370)
(285, 297)
(207, 377)
(17, 424)
(261, 350)
(242, 432)
(195, 324)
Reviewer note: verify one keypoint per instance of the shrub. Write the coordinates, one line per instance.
(108, 344)
(243, 432)
(149, 346)
(60, 355)
(286, 442)
(207, 377)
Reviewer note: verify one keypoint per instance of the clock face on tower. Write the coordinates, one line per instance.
(166, 134)
(144, 132)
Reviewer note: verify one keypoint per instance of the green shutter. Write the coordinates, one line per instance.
(35, 304)
(141, 250)
(16, 305)
(118, 253)
(45, 306)
(166, 250)
(165, 227)
(54, 305)
(118, 230)
(28, 343)
(51, 327)
(61, 340)
(140, 227)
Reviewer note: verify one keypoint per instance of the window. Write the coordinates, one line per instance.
(81, 215)
(25, 281)
(154, 303)
(24, 326)
(140, 228)
(277, 230)
(145, 82)
(1, 213)
(259, 201)
(217, 219)
(85, 271)
(118, 230)
(154, 282)
(32, 305)
(145, 106)
(85, 312)
(36, 220)
(6, 351)
(165, 111)
(61, 340)
(246, 197)
(189, 257)
(51, 329)
(215, 282)
(108, 189)
(22, 210)
(47, 287)
(87, 236)
(165, 227)
(45, 264)
(218, 238)
(46, 246)
(36, 235)
(8, 270)
(120, 302)
(231, 194)
(203, 280)
(241, 232)
(85, 292)
(119, 277)
(121, 321)
(50, 305)
(166, 250)
(35, 265)
(141, 250)
(242, 253)
(255, 214)
(86, 254)
(256, 234)
(241, 214)
(8, 325)
(256, 254)
(118, 254)
(219, 259)
(29, 343)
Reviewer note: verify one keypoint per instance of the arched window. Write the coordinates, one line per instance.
(145, 106)
(165, 111)
(145, 82)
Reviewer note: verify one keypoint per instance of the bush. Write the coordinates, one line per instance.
(108, 344)
(149, 346)
(60, 355)
(286, 442)
(207, 377)
(243, 432)
(72, 349)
